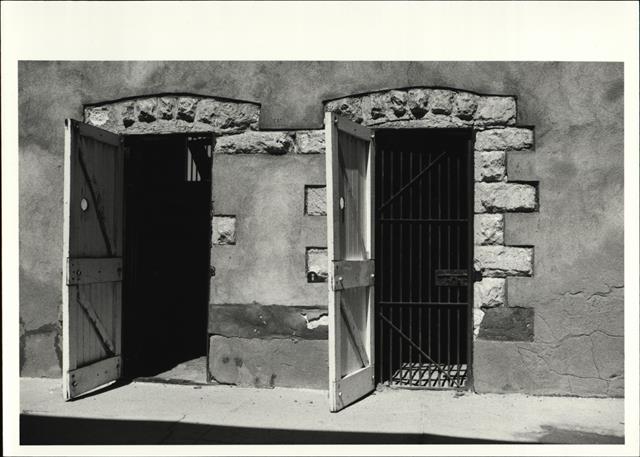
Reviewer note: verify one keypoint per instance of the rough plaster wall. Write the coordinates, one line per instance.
(267, 263)
(576, 109)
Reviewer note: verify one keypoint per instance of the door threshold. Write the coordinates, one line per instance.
(188, 372)
(158, 380)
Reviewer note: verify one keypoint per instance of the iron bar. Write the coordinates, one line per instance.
(412, 181)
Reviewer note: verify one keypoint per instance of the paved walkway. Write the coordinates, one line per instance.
(152, 413)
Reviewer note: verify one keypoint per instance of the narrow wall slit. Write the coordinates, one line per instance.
(423, 257)
(167, 250)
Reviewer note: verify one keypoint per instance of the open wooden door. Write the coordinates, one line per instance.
(350, 172)
(92, 251)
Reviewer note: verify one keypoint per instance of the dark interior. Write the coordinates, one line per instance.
(167, 235)
(424, 284)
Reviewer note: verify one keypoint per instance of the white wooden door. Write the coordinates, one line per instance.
(350, 173)
(92, 251)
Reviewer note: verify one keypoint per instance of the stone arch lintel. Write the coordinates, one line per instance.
(174, 113)
(427, 107)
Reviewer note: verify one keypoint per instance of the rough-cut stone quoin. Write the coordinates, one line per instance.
(223, 230)
(309, 142)
(496, 110)
(506, 139)
(503, 261)
(275, 143)
(489, 229)
(489, 293)
(490, 166)
(465, 105)
(504, 196)
(317, 262)
(174, 114)
(315, 200)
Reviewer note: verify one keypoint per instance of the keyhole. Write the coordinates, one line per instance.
(84, 204)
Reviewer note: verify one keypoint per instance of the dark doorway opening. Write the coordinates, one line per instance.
(424, 257)
(167, 254)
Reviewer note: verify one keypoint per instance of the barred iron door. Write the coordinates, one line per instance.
(424, 293)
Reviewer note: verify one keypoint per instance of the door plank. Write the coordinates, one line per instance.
(350, 388)
(355, 333)
(91, 376)
(105, 339)
(346, 125)
(95, 203)
(94, 270)
(352, 273)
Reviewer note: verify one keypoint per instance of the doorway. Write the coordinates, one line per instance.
(424, 257)
(167, 257)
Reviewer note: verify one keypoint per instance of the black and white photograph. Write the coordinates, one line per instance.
(217, 248)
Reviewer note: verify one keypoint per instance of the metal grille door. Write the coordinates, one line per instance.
(424, 257)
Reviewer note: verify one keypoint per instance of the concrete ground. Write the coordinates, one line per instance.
(153, 413)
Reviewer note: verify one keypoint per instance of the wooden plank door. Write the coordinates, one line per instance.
(92, 251)
(350, 171)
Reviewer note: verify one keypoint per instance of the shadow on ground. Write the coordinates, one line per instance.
(53, 430)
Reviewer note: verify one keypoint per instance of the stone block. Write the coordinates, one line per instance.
(275, 143)
(224, 230)
(146, 109)
(254, 362)
(507, 324)
(495, 111)
(317, 262)
(398, 103)
(127, 113)
(503, 261)
(315, 200)
(441, 101)
(488, 229)
(490, 166)
(97, 115)
(226, 117)
(166, 108)
(489, 293)
(385, 106)
(504, 196)
(506, 139)
(253, 320)
(417, 102)
(310, 142)
(465, 105)
(187, 109)
(348, 107)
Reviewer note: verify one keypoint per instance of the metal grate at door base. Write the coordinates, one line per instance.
(430, 375)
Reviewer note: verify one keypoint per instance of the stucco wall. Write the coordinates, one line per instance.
(576, 109)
